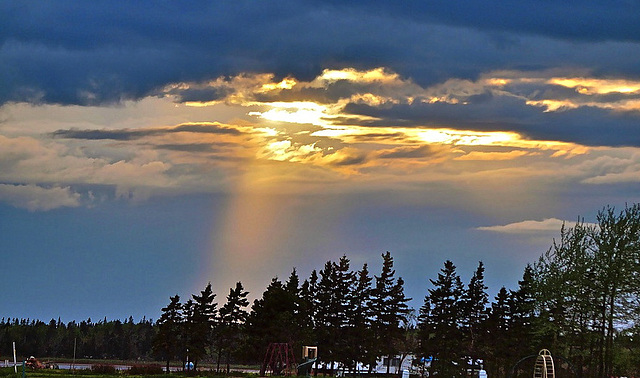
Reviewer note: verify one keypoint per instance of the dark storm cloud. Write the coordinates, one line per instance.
(591, 20)
(130, 134)
(103, 52)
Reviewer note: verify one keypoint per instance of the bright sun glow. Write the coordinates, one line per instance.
(350, 74)
(295, 112)
(286, 83)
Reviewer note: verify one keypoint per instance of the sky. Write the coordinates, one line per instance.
(148, 148)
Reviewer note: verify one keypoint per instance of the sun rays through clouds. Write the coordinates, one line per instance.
(343, 130)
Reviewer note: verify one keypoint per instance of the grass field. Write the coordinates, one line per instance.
(59, 373)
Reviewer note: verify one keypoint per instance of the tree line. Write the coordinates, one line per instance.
(103, 339)
(579, 299)
(351, 315)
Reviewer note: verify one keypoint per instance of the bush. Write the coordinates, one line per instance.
(103, 369)
(145, 370)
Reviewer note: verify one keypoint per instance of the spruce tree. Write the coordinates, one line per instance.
(203, 320)
(307, 309)
(475, 315)
(232, 318)
(167, 339)
(523, 313)
(440, 324)
(359, 314)
(271, 320)
(499, 352)
(334, 286)
(390, 309)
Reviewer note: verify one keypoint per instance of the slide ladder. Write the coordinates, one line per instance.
(544, 365)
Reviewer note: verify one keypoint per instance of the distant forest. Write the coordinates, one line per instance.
(580, 300)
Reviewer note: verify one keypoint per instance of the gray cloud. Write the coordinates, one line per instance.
(586, 125)
(103, 52)
(131, 134)
(38, 198)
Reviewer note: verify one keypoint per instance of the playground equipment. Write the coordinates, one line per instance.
(544, 365)
(279, 360)
(309, 357)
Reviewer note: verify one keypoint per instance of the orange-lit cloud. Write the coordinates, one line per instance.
(346, 129)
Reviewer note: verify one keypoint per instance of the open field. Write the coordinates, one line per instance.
(62, 373)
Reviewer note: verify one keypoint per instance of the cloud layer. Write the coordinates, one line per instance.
(207, 97)
(104, 53)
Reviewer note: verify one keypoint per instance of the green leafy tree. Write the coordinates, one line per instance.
(565, 293)
(587, 286)
(617, 242)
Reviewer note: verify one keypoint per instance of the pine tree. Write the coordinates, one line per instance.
(390, 309)
(189, 330)
(167, 339)
(499, 352)
(232, 317)
(475, 315)
(272, 319)
(440, 324)
(307, 309)
(523, 318)
(202, 322)
(333, 290)
(359, 314)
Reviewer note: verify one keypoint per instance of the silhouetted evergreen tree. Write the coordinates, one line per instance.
(307, 309)
(359, 335)
(232, 318)
(166, 342)
(332, 295)
(390, 309)
(499, 353)
(474, 316)
(271, 320)
(201, 323)
(440, 324)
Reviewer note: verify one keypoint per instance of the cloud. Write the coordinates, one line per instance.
(127, 134)
(407, 152)
(91, 54)
(631, 174)
(38, 198)
(558, 20)
(560, 105)
(547, 225)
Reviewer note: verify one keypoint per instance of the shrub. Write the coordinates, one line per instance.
(145, 370)
(103, 369)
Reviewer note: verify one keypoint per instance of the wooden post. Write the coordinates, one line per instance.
(15, 368)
